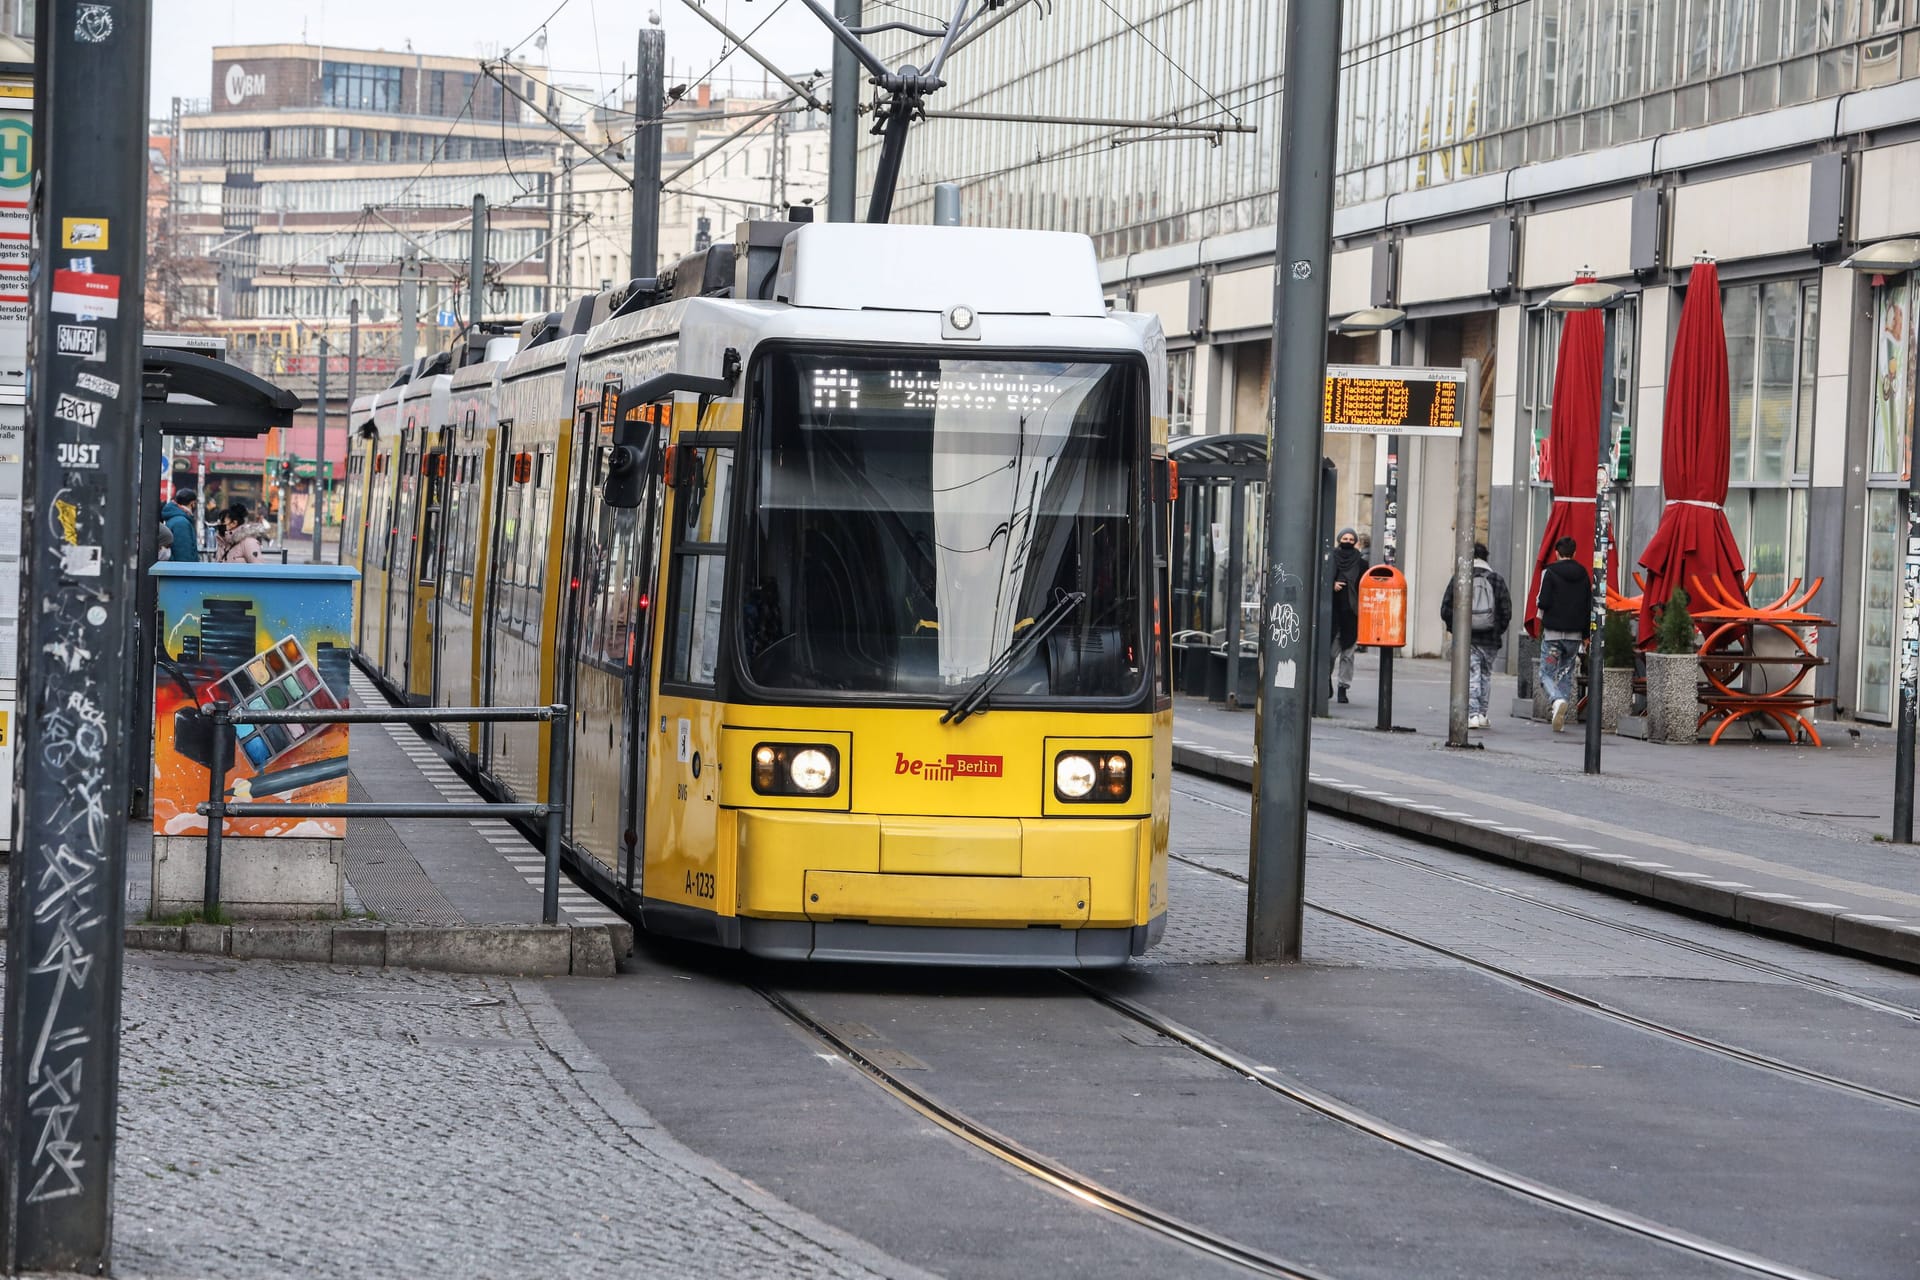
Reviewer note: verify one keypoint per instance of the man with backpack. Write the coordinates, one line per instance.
(1492, 611)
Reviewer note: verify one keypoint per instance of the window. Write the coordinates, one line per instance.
(356, 86)
(1772, 337)
(1180, 393)
(702, 508)
(1891, 422)
(914, 515)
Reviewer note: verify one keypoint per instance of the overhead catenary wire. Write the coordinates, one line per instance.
(1136, 28)
(1231, 107)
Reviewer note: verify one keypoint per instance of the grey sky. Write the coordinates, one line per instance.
(591, 41)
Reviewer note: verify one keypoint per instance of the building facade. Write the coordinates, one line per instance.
(725, 160)
(1487, 154)
(312, 177)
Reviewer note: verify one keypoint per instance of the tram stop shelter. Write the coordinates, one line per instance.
(1219, 562)
(183, 392)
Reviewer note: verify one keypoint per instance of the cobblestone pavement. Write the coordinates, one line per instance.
(296, 1120)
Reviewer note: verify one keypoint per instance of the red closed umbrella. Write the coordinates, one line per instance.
(1694, 542)
(1573, 446)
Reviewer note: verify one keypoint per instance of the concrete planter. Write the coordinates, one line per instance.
(1616, 697)
(1673, 697)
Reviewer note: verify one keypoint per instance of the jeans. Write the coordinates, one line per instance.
(1480, 676)
(1343, 663)
(1559, 662)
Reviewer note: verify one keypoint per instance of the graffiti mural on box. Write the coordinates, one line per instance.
(265, 645)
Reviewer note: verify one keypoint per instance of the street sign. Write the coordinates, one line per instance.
(446, 319)
(1387, 400)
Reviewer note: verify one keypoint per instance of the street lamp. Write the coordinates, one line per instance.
(1384, 320)
(1888, 258)
(1892, 258)
(1604, 298)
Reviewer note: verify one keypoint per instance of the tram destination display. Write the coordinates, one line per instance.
(1384, 400)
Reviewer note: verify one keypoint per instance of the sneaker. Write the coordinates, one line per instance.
(1342, 693)
(1559, 715)
(1476, 722)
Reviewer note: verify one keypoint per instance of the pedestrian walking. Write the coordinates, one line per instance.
(1492, 610)
(177, 517)
(1565, 610)
(1348, 564)
(241, 536)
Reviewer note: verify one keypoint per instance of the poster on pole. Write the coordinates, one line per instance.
(1388, 400)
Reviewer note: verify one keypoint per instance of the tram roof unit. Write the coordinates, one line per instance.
(548, 355)
(426, 402)
(850, 266)
(898, 286)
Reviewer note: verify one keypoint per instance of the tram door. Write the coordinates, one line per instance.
(400, 571)
(618, 553)
(499, 545)
(425, 647)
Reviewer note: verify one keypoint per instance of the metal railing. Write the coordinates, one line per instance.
(218, 808)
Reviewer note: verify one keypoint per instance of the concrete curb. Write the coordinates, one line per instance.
(507, 950)
(1881, 938)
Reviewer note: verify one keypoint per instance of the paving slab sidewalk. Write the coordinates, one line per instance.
(1769, 834)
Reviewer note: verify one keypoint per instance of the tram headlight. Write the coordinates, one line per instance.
(795, 769)
(1097, 777)
(811, 771)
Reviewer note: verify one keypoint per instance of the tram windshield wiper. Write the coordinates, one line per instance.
(978, 692)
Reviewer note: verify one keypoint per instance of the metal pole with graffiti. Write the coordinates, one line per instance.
(66, 909)
(1276, 894)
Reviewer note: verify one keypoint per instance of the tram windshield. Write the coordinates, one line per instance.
(914, 515)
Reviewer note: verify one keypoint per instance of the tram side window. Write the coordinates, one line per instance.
(610, 589)
(700, 567)
(515, 560)
(463, 529)
(436, 491)
(350, 528)
(538, 530)
(384, 486)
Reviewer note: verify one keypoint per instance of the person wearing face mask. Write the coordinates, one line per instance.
(1349, 562)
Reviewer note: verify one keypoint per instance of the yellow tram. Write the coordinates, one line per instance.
(846, 547)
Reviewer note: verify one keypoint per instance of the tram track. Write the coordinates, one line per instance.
(1035, 1165)
(1753, 964)
(1093, 1194)
(1519, 1184)
(1588, 1004)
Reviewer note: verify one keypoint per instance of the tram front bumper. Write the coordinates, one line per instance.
(1069, 873)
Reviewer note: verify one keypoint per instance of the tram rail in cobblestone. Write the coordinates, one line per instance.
(1588, 1004)
(1783, 973)
(1825, 986)
(1044, 1169)
(1519, 1184)
(1838, 991)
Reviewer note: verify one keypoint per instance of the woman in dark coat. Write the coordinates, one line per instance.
(1348, 564)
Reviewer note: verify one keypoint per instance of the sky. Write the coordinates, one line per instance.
(590, 42)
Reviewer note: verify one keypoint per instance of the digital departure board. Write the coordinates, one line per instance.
(1385, 400)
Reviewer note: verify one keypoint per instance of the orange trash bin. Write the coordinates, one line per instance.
(1383, 608)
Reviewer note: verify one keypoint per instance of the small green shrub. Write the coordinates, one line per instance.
(1616, 640)
(1675, 632)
